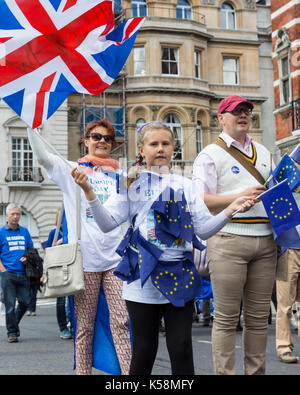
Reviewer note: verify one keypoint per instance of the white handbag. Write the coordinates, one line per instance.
(63, 269)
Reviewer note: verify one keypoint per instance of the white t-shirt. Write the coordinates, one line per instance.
(121, 207)
(98, 248)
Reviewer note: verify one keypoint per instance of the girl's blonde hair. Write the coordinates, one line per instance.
(135, 170)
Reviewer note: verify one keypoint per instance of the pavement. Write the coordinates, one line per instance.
(40, 351)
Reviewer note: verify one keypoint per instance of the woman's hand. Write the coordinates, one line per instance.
(241, 204)
(82, 180)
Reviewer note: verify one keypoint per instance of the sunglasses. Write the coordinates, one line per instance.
(238, 111)
(98, 137)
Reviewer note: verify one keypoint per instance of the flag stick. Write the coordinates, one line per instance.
(271, 176)
(257, 197)
(268, 180)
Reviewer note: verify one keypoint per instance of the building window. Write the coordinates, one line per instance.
(22, 159)
(139, 61)
(199, 137)
(173, 122)
(197, 60)
(230, 71)
(285, 80)
(228, 20)
(183, 10)
(169, 61)
(138, 8)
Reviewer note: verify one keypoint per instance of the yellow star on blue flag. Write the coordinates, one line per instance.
(283, 213)
(172, 218)
(295, 155)
(286, 169)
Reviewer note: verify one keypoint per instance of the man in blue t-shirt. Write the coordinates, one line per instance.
(14, 241)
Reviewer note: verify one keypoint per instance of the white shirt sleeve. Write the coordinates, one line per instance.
(205, 174)
(102, 216)
(44, 158)
(118, 206)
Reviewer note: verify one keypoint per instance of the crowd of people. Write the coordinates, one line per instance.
(138, 234)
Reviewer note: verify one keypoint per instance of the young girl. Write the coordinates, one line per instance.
(165, 212)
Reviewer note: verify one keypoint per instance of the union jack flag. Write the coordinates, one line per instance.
(50, 48)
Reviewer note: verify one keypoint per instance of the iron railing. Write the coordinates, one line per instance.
(170, 13)
(24, 174)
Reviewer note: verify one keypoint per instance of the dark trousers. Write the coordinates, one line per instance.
(61, 313)
(33, 297)
(15, 287)
(144, 320)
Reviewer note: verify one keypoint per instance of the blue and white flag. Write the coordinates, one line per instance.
(286, 169)
(283, 213)
(51, 48)
(104, 353)
(295, 155)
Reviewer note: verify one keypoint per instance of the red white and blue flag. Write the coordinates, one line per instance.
(51, 48)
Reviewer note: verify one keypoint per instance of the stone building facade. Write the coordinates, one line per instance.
(188, 55)
(286, 61)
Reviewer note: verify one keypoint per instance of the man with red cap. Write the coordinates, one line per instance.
(242, 257)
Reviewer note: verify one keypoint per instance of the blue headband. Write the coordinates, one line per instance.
(147, 123)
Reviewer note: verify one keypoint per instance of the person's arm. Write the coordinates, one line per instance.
(41, 154)
(2, 268)
(101, 216)
(206, 225)
(205, 181)
(217, 202)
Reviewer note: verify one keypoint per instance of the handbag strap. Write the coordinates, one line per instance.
(236, 154)
(78, 218)
(58, 225)
(78, 213)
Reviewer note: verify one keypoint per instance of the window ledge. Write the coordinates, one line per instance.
(24, 185)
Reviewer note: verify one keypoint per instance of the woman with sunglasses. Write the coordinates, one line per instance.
(98, 249)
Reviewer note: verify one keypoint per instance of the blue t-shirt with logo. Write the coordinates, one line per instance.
(13, 245)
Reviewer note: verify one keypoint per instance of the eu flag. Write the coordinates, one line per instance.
(295, 155)
(283, 212)
(287, 169)
(172, 217)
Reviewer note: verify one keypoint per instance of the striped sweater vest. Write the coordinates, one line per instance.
(234, 178)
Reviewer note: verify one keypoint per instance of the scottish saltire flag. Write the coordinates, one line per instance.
(104, 353)
(295, 155)
(286, 169)
(51, 48)
(283, 213)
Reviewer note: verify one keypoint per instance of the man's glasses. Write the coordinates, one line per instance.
(98, 137)
(238, 111)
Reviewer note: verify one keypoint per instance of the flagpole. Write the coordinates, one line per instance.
(268, 180)
(52, 148)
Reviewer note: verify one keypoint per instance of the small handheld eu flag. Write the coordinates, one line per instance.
(282, 210)
(286, 169)
(295, 155)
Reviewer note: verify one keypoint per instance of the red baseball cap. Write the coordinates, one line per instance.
(230, 103)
